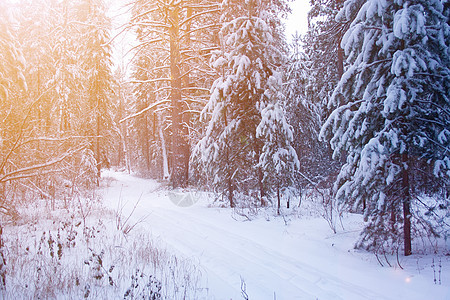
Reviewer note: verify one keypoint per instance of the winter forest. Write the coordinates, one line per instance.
(190, 149)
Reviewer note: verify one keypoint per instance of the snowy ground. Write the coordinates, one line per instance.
(300, 260)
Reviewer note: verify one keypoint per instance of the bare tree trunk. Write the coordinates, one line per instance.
(278, 199)
(340, 62)
(185, 114)
(230, 184)
(230, 190)
(127, 149)
(228, 167)
(406, 205)
(97, 142)
(179, 154)
(121, 147)
(166, 174)
(262, 193)
(146, 149)
(229, 176)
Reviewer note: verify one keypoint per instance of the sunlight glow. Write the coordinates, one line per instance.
(298, 19)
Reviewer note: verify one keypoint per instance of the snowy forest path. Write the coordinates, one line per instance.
(275, 261)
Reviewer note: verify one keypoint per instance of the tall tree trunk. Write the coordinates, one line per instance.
(340, 53)
(406, 205)
(97, 125)
(166, 173)
(97, 147)
(262, 193)
(278, 199)
(178, 177)
(126, 146)
(259, 174)
(340, 62)
(230, 190)
(228, 166)
(229, 176)
(230, 183)
(185, 114)
(146, 135)
(120, 148)
(405, 189)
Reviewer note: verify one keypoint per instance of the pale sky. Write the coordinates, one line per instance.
(297, 21)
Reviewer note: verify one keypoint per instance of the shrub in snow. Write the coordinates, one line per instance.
(64, 258)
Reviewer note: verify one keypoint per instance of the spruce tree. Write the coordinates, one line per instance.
(278, 159)
(99, 79)
(304, 114)
(247, 87)
(392, 116)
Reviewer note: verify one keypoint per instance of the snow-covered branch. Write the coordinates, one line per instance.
(144, 110)
(187, 33)
(150, 80)
(25, 172)
(199, 14)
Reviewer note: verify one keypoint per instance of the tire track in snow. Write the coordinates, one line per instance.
(192, 240)
(226, 253)
(312, 282)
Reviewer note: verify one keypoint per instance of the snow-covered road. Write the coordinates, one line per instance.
(301, 260)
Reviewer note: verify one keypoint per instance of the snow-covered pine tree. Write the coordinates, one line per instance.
(11, 65)
(304, 114)
(58, 86)
(312, 76)
(22, 157)
(36, 21)
(97, 65)
(246, 66)
(322, 48)
(67, 74)
(278, 159)
(12, 104)
(42, 148)
(392, 115)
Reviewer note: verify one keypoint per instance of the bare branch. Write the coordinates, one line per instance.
(21, 129)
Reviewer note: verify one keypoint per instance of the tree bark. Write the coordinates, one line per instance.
(262, 193)
(340, 62)
(146, 136)
(229, 178)
(97, 146)
(406, 206)
(278, 200)
(166, 173)
(178, 177)
(230, 191)
(185, 114)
